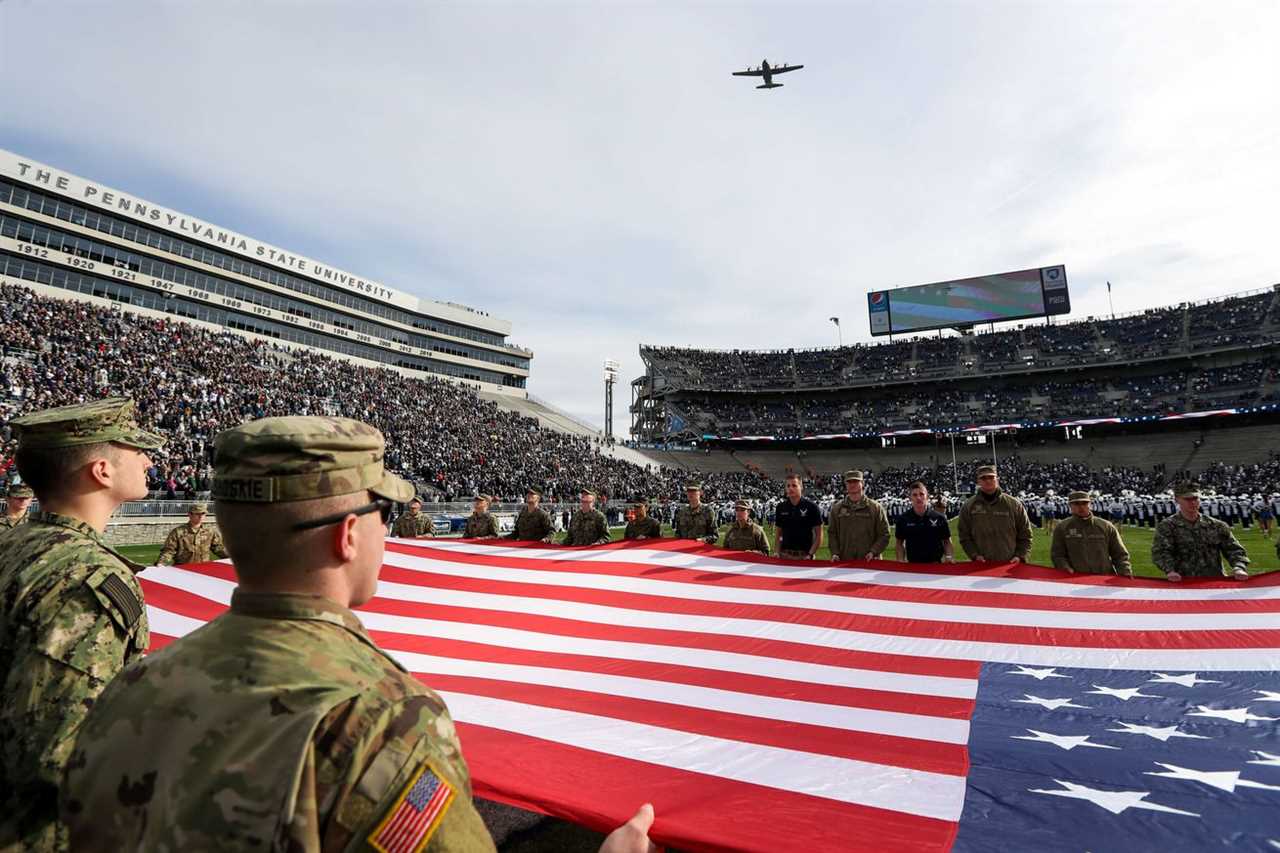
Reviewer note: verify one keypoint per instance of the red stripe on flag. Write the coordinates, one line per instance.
(860, 589)
(691, 807)
(169, 598)
(911, 753)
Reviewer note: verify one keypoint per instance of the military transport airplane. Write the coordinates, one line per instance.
(767, 71)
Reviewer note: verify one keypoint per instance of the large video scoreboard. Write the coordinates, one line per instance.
(995, 298)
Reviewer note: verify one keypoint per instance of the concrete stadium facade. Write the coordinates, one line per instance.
(69, 237)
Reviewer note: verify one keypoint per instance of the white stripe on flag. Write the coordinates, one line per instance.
(710, 699)
(493, 635)
(853, 605)
(916, 792)
(845, 574)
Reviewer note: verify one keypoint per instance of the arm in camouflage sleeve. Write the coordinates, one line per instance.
(1119, 553)
(218, 550)
(1058, 548)
(365, 756)
(51, 688)
(170, 549)
(882, 533)
(602, 531)
(1162, 553)
(1235, 553)
(1023, 524)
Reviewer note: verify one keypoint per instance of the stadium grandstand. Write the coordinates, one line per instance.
(1155, 373)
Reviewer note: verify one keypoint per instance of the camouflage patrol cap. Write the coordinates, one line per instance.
(587, 492)
(640, 501)
(854, 474)
(111, 419)
(741, 505)
(984, 470)
(1187, 489)
(198, 508)
(20, 490)
(693, 487)
(480, 499)
(274, 460)
(533, 490)
(1079, 497)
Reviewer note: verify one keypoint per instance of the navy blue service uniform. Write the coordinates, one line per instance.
(923, 535)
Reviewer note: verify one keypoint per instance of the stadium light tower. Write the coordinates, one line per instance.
(839, 331)
(611, 368)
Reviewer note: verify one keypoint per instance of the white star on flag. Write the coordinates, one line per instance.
(1113, 801)
(1067, 742)
(1160, 734)
(1125, 693)
(1265, 758)
(1235, 715)
(1267, 696)
(1037, 674)
(1188, 680)
(1223, 780)
(1051, 704)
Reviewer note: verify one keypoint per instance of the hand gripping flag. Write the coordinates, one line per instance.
(771, 705)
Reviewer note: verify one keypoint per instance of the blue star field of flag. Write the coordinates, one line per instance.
(1123, 760)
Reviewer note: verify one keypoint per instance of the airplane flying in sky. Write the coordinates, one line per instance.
(767, 71)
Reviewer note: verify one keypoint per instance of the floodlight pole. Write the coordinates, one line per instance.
(839, 331)
(955, 469)
(611, 368)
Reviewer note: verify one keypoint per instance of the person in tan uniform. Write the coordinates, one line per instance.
(193, 542)
(857, 526)
(993, 526)
(413, 524)
(1088, 544)
(744, 534)
(642, 526)
(280, 725)
(480, 524)
(15, 506)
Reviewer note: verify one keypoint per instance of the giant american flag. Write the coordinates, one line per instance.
(769, 705)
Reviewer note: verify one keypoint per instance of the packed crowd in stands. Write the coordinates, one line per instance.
(191, 382)
(1161, 332)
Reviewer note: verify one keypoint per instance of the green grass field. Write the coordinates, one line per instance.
(1262, 553)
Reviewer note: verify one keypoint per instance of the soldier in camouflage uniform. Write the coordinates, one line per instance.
(993, 526)
(1088, 544)
(71, 610)
(642, 526)
(280, 725)
(857, 526)
(533, 524)
(588, 525)
(1189, 544)
(480, 524)
(15, 507)
(696, 521)
(744, 534)
(413, 524)
(192, 542)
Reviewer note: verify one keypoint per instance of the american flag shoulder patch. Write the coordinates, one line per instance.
(415, 815)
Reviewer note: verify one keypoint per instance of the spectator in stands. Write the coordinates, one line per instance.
(797, 523)
(993, 525)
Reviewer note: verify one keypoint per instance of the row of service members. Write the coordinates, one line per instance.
(993, 526)
(283, 709)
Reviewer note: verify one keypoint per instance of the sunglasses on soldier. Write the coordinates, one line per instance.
(381, 506)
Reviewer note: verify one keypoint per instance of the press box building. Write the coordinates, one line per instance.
(66, 236)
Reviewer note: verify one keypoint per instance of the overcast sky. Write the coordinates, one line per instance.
(593, 173)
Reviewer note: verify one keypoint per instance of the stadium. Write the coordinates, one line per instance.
(937, 513)
(104, 294)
